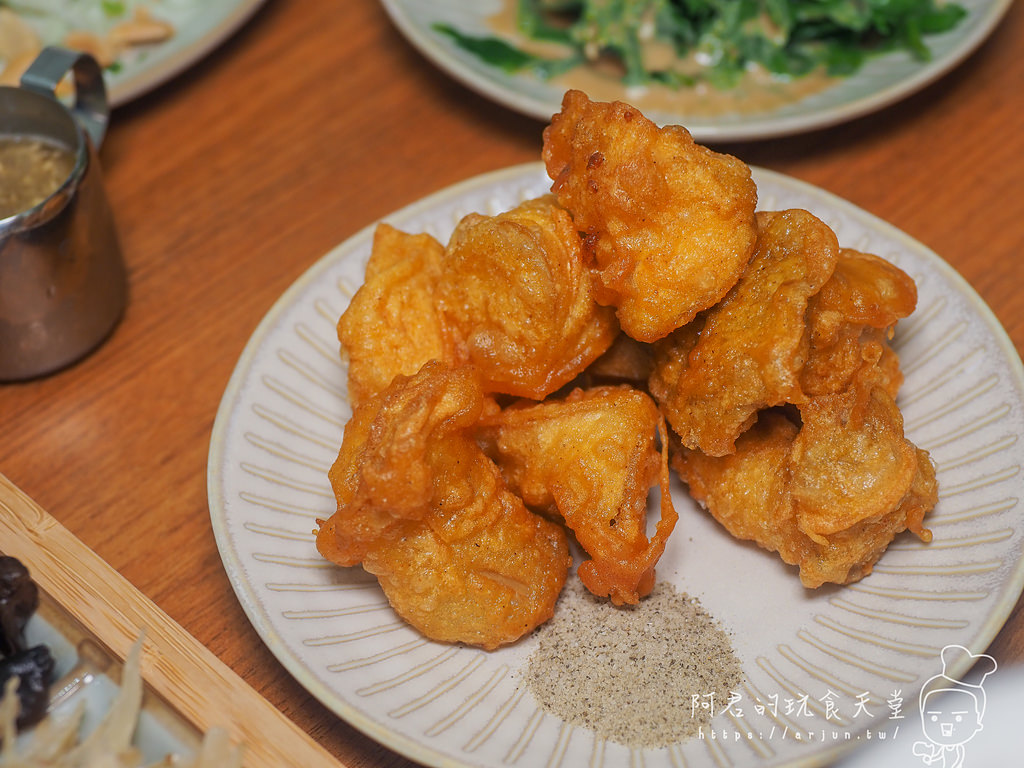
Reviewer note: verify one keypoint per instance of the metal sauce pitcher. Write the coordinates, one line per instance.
(62, 276)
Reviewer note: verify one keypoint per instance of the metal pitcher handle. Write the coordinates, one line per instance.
(90, 109)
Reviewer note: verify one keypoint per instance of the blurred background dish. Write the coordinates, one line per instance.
(881, 81)
(140, 43)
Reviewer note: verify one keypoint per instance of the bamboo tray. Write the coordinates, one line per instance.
(188, 678)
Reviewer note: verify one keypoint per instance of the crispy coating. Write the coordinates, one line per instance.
(591, 458)
(762, 343)
(426, 511)
(850, 461)
(668, 223)
(383, 473)
(851, 320)
(748, 491)
(516, 291)
(828, 496)
(746, 353)
(392, 325)
(857, 481)
(481, 568)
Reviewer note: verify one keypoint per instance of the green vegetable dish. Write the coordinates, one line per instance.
(681, 43)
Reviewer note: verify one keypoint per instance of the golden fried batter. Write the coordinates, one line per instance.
(591, 459)
(828, 496)
(392, 326)
(669, 223)
(851, 320)
(423, 508)
(857, 482)
(748, 491)
(746, 353)
(516, 291)
(762, 343)
(850, 462)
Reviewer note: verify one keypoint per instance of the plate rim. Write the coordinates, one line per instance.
(1010, 589)
(749, 130)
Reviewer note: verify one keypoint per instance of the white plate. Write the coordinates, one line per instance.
(881, 82)
(199, 27)
(280, 425)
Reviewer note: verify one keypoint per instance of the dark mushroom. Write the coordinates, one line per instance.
(34, 669)
(19, 599)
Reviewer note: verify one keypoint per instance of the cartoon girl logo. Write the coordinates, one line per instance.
(952, 710)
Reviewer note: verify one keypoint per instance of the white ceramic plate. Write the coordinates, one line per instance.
(881, 82)
(200, 26)
(280, 425)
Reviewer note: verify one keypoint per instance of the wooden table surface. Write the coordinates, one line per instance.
(315, 120)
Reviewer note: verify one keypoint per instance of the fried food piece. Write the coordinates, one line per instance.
(481, 568)
(747, 352)
(669, 223)
(627, 361)
(851, 320)
(828, 496)
(748, 491)
(515, 290)
(857, 482)
(383, 474)
(392, 325)
(851, 461)
(591, 459)
(422, 508)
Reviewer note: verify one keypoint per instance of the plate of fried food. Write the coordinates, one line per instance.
(637, 455)
(728, 71)
(138, 43)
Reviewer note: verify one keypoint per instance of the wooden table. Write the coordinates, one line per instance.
(314, 121)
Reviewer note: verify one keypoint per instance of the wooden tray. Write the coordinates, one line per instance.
(200, 688)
